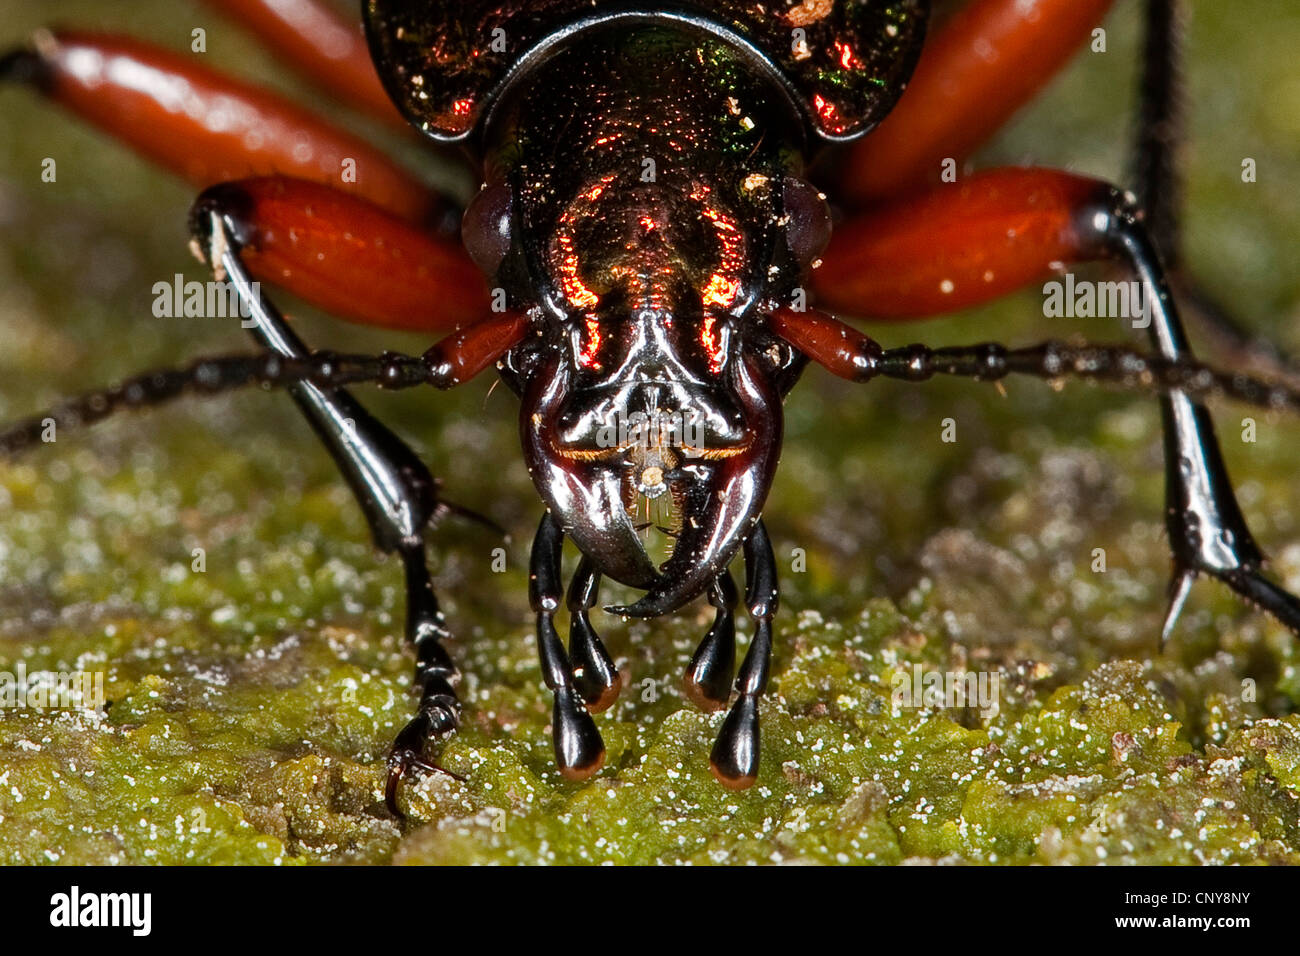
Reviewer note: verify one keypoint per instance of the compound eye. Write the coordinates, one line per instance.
(487, 228)
(808, 228)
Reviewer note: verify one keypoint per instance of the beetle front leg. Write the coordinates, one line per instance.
(395, 490)
(579, 751)
(1206, 528)
(734, 759)
(438, 713)
(959, 246)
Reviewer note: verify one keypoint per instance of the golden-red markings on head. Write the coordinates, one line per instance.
(590, 343)
(723, 285)
(568, 265)
(712, 343)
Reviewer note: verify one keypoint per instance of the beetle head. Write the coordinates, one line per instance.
(651, 395)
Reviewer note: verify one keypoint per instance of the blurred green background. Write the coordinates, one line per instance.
(252, 704)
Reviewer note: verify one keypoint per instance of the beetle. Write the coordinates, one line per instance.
(652, 239)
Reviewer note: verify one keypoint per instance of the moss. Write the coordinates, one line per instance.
(252, 703)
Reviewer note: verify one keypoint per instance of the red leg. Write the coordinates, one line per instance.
(206, 126)
(980, 68)
(319, 44)
(836, 347)
(464, 354)
(348, 256)
(957, 245)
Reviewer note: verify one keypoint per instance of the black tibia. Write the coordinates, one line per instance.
(594, 673)
(435, 678)
(708, 678)
(579, 751)
(395, 490)
(734, 759)
(1207, 532)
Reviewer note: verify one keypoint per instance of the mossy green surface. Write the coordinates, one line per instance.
(252, 704)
